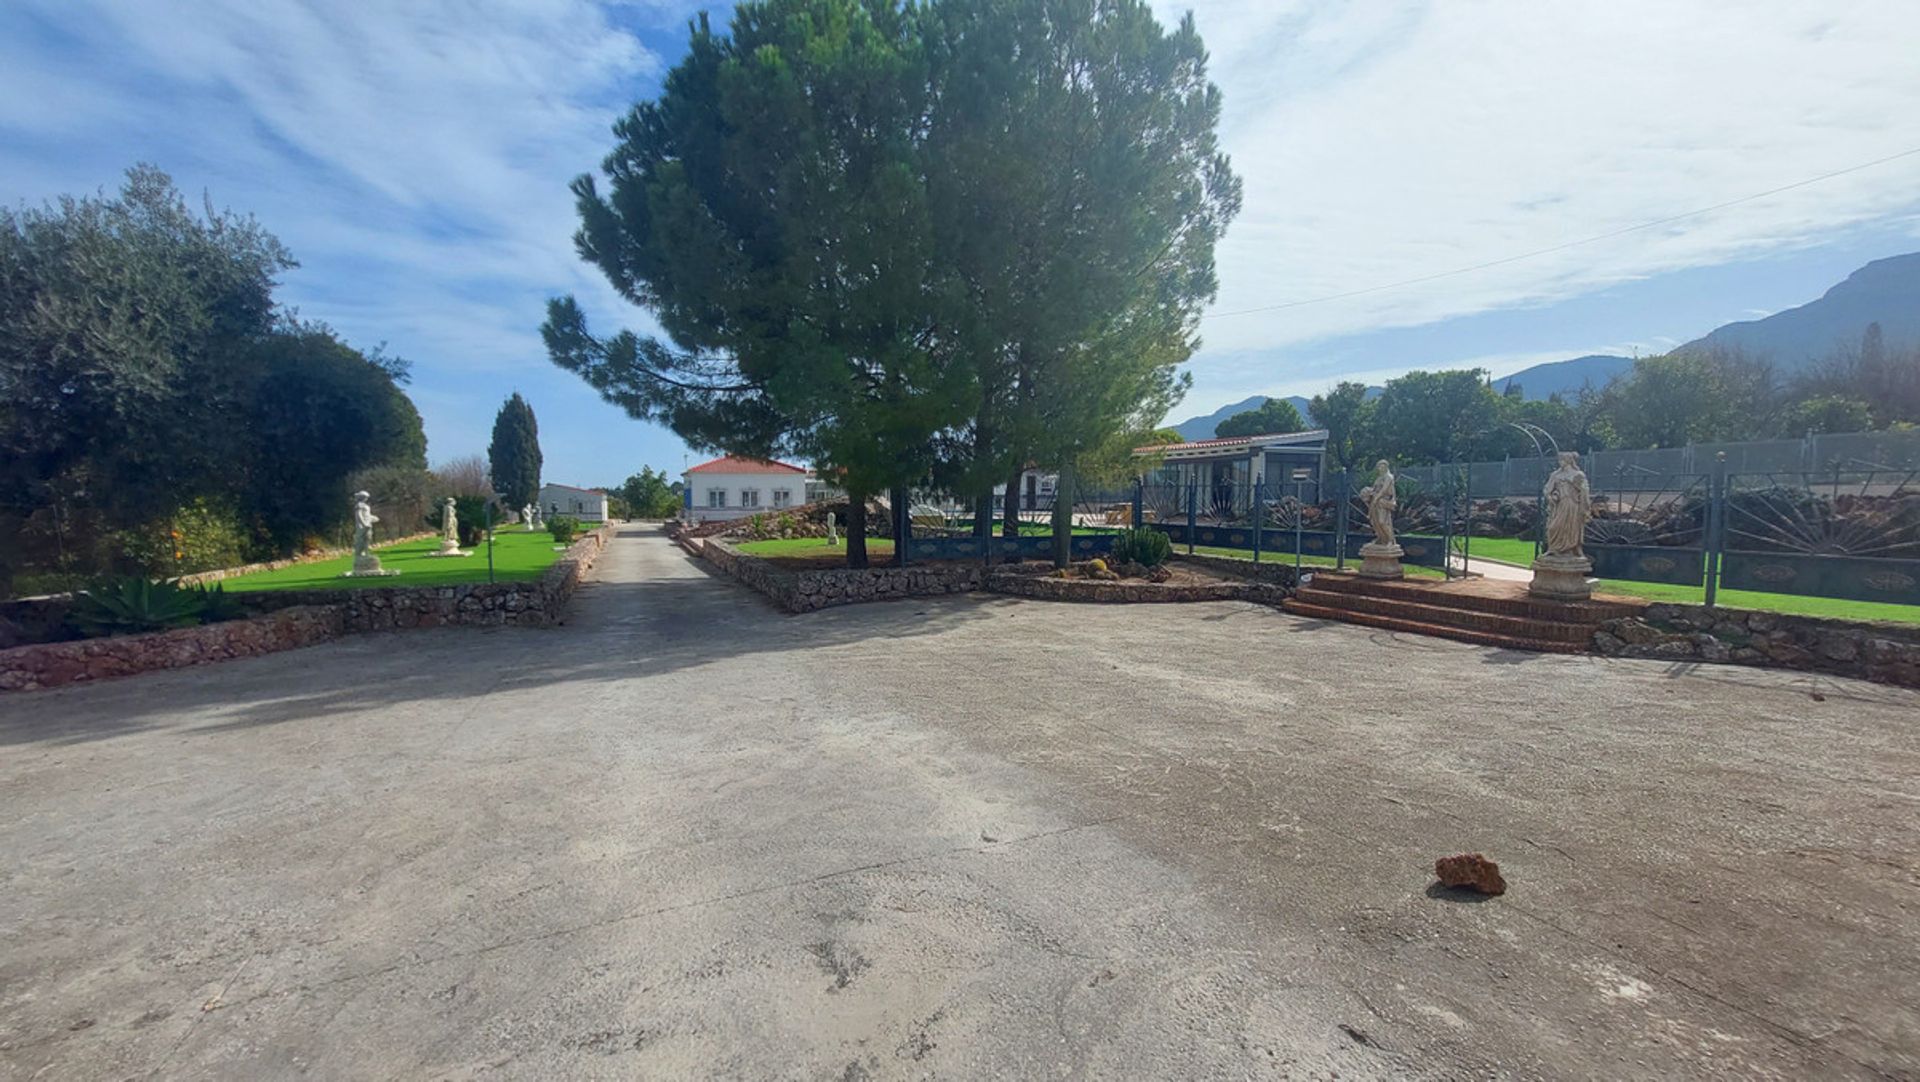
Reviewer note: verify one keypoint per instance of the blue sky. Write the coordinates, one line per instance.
(415, 158)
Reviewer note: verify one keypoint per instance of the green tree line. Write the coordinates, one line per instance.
(1671, 400)
(158, 410)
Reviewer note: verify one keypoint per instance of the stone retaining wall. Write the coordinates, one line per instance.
(1274, 572)
(1887, 653)
(1026, 584)
(45, 665)
(292, 618)
(807, 591)
(203, 578)
(537, 603)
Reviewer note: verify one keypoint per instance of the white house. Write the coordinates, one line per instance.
(585, 504)
(735, 487)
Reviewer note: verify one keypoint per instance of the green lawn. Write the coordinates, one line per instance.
(1305, 561)
(812, 546)
(1520, 552)
(517, 556)
(1790, 604)
(1509, 550)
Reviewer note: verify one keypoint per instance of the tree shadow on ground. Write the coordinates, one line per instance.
(615, 631)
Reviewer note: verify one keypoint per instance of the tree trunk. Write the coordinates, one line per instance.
(1010, 510)
(856, 529)
(1063, 518)
(902, 525)
(983, 516)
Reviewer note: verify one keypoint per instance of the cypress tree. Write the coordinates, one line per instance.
(513, 459)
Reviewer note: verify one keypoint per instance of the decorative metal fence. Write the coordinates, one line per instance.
(1852, 534)
(1849, 532)
(1650, 527)
(1306, 519)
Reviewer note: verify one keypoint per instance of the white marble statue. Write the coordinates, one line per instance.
(1381, 497)
(1560, 572)
(1380, 558)
(1569, 505)
(833, 538)
(449, 530)
(365, 563)
(528, 515)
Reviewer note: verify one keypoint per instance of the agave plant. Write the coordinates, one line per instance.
(216, 604)
(131, 603)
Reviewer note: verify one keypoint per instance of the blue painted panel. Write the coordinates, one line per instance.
(1419, 550)
(1854, 578)
(1649, 563)
(1026, 546)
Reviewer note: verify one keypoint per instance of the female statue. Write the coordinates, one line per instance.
(1568, 506)
(1381, 499)
(363, 520)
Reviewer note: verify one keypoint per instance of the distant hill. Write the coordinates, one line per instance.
(1566, 377)
(1202, 428)
(1885, 291)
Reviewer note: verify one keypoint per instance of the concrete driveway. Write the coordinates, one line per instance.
(968, 837)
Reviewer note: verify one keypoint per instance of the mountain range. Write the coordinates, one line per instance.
(1885, 291)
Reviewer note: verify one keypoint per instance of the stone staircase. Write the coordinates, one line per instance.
(1481, 611)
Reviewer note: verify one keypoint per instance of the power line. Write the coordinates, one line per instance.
(1569, 244)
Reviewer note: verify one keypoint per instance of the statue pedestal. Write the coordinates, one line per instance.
(450, 548)
(367, 567)
(1378, 561)
(1562, 578)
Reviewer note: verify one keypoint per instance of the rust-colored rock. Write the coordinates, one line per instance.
(1472, 871)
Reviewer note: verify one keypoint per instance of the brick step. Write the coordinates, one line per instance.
(1445, 631)
(1431, 610)
(1478, 596)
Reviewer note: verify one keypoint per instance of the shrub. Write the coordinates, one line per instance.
(1144, 546)
(563, 528)
(405, 497)
(470, 515)
(216, 604)
(133, 603)
(201, 536)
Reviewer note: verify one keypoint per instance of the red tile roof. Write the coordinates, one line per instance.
(741, 464)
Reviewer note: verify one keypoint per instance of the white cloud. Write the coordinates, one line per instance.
(414, 156)
(1386, 142)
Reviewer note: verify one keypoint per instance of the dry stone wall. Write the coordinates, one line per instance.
(45, 665)
(293, 618)
(1887, 653)
(807, 591)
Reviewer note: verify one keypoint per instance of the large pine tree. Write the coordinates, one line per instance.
(513, 459)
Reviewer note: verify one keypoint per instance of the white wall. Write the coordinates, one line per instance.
(735, 486)
(561, 500)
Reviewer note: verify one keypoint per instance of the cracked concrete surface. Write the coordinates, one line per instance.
(962, 837)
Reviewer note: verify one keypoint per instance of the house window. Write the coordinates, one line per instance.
(716, 497)
(783, 497)
(749, 497)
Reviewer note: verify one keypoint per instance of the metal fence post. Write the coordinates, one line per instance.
(1299, 518)
(1193, 512)
(1716, 521)
(1341, 500)
(1466, 546)
(1138, 502)
(1446, 521)
(1259, 518)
